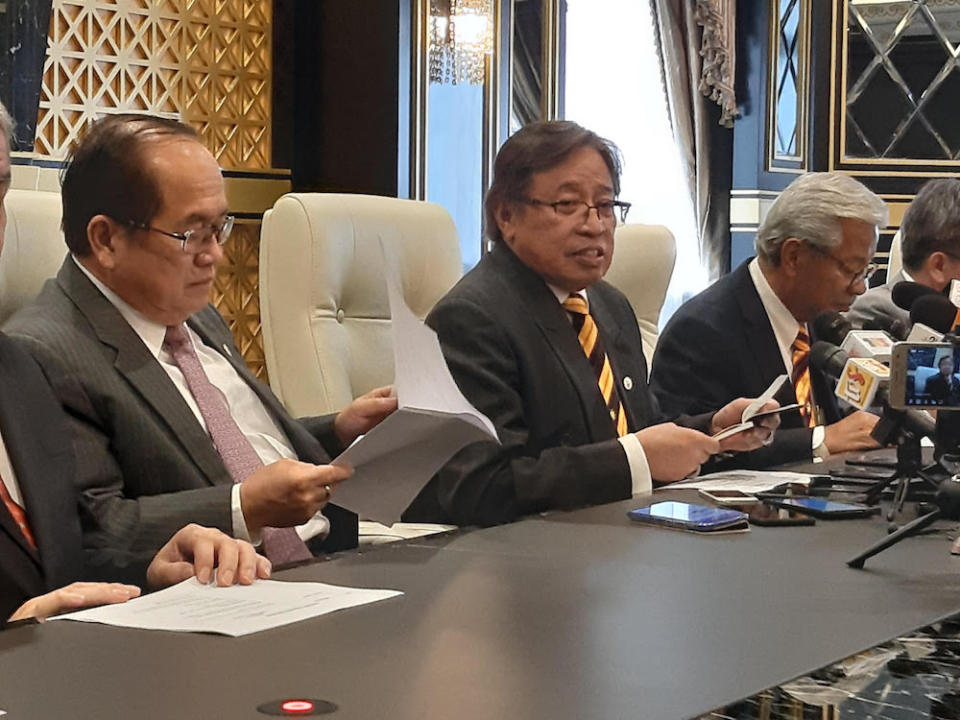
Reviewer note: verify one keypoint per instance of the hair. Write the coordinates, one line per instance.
(931, 223)
(535, 148)
(6, 125)
(945, 357)
(811, 209)
(105, 174)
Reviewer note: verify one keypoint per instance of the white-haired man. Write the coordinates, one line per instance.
(814, 252)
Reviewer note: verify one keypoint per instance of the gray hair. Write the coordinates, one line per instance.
(932, 223)
(6, 125)
(811, 208)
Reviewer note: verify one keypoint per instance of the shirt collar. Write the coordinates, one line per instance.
(785, 325)
(562, 295)
(150, 332)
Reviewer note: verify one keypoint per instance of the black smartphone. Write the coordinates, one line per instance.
(684, 516)
(825, 509)
(873, 459)
(863, 473)
(765, 514)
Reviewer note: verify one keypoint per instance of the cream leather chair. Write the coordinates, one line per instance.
(33, 247)
(895, 260)
(643, 261)
(323, 296)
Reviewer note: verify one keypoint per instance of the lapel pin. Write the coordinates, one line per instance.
(628, 383)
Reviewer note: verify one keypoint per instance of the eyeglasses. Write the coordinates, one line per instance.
(194, 241)
(855, 276)
(607, 210)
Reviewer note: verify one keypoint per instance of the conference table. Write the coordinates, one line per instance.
(582, 614)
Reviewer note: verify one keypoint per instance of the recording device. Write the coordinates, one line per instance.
(905, 293)
(936, 312)
(729, 497)
(831, 327)
(875, 342)
(823, 508)
(894, 327)
(923, 333)
(925, 375)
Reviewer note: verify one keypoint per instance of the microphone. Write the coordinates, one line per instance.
(863, 382)
(905, 293)
(935, 311)
(831, 327)
(894, 327)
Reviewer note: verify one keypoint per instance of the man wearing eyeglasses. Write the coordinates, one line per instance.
(930, 245)
(169, 425)
(552, 354)
(814, 252)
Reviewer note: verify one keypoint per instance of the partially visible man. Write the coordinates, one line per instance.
(944, 387)
(552, 354)
(930, 247)
(814, 252)
(40, 543)
(169, 425)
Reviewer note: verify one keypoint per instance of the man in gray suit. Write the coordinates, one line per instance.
(930, 236)
(170, 427)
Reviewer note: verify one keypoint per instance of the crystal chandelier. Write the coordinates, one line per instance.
(461, 36)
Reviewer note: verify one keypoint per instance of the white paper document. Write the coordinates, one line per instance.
(236, 610)
(747, 480)
(433, 422)
(752, 409)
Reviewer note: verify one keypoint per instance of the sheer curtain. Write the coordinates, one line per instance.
(614, 87)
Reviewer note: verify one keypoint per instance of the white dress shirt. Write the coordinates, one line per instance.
(9, 477)
(267, 438)
(640, 477)
(785, 327)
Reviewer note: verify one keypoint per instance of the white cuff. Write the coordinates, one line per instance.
(240, 531)
(640, 477)
(820, 449)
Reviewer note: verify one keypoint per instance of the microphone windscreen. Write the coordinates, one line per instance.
(894, 327)
(831, 327)
(828, 358)
(934, 311)
(905, 293)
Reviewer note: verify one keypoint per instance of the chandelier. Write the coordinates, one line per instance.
(461, 36)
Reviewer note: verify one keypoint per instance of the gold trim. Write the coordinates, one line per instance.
(491, 99)
(419, 92)
(833, 87)
(550, 60)
(254, 195)
(803, 91)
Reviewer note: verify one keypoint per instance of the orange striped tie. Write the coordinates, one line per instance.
(19, 516)
(801, 375)
(592, 345)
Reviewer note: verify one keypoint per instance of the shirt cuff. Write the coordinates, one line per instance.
(240, 531)
(820, 450)
(640, 478)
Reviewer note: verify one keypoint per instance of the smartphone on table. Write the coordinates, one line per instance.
(729, 497)
(684, 516)
(825, 509)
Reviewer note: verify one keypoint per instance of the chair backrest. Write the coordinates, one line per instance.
(643, 262)
(33, 247)
(323, 294)
(895, 260)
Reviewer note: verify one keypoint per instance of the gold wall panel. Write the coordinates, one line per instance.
(236, 292)
(207, 62)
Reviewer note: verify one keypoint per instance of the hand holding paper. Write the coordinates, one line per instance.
(746, 424)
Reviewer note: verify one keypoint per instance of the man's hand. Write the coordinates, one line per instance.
(287, 493)
(675, 452)
(851, 433)
(196, 550)
(747, 440)
(363, 414)
(74, 597)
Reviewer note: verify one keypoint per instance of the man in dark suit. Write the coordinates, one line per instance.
(41, 555)
(169, 425)
(813, 255)
(930, 245)
(944, 387)
(552, 354)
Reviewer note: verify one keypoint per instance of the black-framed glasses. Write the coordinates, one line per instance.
(607, 210)
(194, 241)
(855, 276)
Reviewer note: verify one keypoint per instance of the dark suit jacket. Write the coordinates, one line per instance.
(514, 354)
(145, 465)
(719, 346)
(943, 392)
(37, 439)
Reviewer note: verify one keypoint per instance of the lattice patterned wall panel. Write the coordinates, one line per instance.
(207, 62)
(236, 293)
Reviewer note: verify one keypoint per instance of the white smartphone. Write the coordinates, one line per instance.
(925, 375)
(729, 497)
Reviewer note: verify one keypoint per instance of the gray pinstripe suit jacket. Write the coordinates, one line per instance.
(145, 466)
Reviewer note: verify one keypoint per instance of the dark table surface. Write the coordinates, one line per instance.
(571, 615)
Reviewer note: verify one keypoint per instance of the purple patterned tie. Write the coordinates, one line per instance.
(280, 545)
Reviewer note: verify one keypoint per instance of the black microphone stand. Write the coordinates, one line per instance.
(948, 506)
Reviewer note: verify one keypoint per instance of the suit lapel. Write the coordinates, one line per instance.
(142, 370)
(553, 322)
